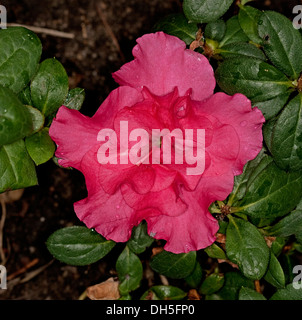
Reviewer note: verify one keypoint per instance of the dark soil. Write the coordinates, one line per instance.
(89, 59)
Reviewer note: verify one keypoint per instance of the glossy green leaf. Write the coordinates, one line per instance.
(233, 282)
(20, 52)
(214, 251)
(40, 146)
(256, 79)
(212, 283)
(215, 30)
(275, 275)
(37, 118)
(164, 293)
(273, 193)
(203, 11)
(78, 245)
(282, 43)
(25, 97)
(288, 293)
(248, 19)
(246, 247)
(233, 32)
(194, 279)
(277, 245)
(249, 294)
(15, 120)
(270, 108)
(177, 25)
(49, 88)
(267, 130)
(130, 271)
(289, 225)
(140, 239)
(247, 176)
(75, 99)
(175, 266)
(287, 136)
(239, 49)
(17, 170)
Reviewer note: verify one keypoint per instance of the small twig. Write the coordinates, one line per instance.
(2, 222)
(83, 296)
(108, 29)
(50, 32)
(34, 273)
(164, 280)
(22, 270)
(257, 286)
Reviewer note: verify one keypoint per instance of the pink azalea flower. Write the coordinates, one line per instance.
(165, 86)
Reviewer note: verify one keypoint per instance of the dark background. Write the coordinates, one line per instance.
(103, 42)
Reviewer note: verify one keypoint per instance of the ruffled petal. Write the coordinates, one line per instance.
(196, 228)
(237, 112)
(75, 134)
(164, 202)
(162, 63)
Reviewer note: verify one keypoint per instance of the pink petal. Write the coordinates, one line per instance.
(196, 228)
(162, 63)
(108, 214)
(237, 112)
(164, 202)
(75, 134)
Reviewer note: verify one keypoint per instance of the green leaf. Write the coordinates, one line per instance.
(25, 97)
(273, 193)
(140, 239)
(49, 88)
(15, 120)
(40, 146)
(78, 246)
(233, 282)
(20, 52)
(250, 294)
(291, 224)
(277, 246)
(282, 43)
(215, 30)
(177, 25)
(268, 133)
(248, 19)
(203, 11)
(287, 136)
(288, 293)
(194, 279)
(75, 99)
(212, 283)
(270, 108)
(233, 32)
(241, 181)
(246, 247)
(239, 49)
(163, 293)
(37, 118)
(275, 275)
(214, 251)
(17, 170)
(256, 79)
(175, 266)
(130, 271)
